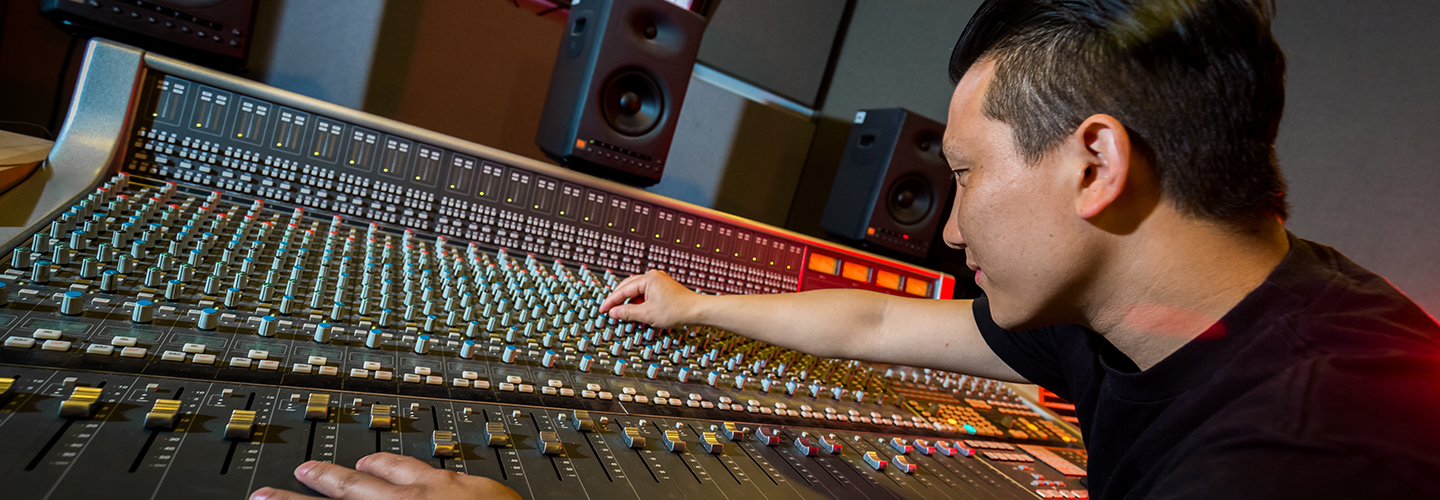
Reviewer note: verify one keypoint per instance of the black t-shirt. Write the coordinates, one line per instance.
(1324, 382)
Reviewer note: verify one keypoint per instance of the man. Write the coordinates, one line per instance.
(1120, 201)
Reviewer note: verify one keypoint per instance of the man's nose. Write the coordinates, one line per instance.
(952, 235)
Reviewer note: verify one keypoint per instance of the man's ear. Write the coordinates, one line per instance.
(1104, 150)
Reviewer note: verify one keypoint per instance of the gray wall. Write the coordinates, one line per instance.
(1358, 145)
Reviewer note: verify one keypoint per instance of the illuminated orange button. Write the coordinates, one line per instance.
(918, 287)
(824, 264)
(887, 279)
(856, 272)
(580, 143)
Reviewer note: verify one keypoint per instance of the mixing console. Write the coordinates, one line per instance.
(262, 279)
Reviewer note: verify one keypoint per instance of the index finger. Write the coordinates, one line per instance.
(339, 482)
(622, 293)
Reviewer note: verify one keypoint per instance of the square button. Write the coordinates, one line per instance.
(372, 365)
(330, 370)
(270, 364)
(239, 362)
(123, 341)
(423, 371)
(412, 378)
(302, 368)
(203, 359)
(193, 348)
(172, 356)
(132, 352)
(20, 342)
(317, 361)
(46, 334)
(359, 373)
(384, 375)
(435, 380)
(100, 349)
(469, 375)
(258, 354)
(460, 382)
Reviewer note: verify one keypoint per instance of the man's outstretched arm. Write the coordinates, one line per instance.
(830, 323)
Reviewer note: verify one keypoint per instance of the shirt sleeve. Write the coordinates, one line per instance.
(1034, 354)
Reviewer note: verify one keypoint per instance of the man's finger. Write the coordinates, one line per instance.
(339, 482)
(268, 493)
(397, 469)
(623, 293)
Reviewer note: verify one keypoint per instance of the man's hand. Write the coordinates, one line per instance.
(667, 304)
(389, 477)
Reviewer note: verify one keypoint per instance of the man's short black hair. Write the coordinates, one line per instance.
(1198, 84)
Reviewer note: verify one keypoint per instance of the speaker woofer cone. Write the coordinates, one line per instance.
(632, 103)
(910, 200)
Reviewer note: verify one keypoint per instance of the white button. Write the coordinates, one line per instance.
(372, 365)
(384, 375)
(100, 349)
(526, 388)
(460, 382)
(46, 334)
(21, 342)
(270, 364)
(626, 390)
(506, 386)
(587, 394)
(412, 378)
(56, 345)
(239, 362)
(435, 380)
(469, 375)
(626, 398)
(258, 354)
(301, 368)
(317, 360)
(555, 383)
(173, 356)
(193, 348)
(548, 391)
(132, 352)
(204, 359)
(123, 341)
(512, 379)
(567, 392)
(330, 370)
(605, 395)
(639, 399)
(423, 371)
(481, 384)
(592, 387)
(359, 373)
(662, 394)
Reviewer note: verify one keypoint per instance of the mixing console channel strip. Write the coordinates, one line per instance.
(220, 280)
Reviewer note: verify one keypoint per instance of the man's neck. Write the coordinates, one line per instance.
(1171, 285)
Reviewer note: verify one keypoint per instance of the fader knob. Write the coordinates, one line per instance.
(41, 272)
(70, 303)
(207, 319)
(142, 311)
(467, 350)
(373, 338)
(508, 355)
(322, 332)
(422, 344)
(267, 326)
(548, 360)
(585, 362)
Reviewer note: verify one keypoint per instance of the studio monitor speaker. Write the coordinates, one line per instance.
(892, 184)
(619, 80)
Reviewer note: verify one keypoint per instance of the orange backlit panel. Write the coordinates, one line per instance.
(856, 272)
(824, 264)
(917, 287)
(887, 279)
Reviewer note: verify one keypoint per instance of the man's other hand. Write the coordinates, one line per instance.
(385, 476)
(667, 304)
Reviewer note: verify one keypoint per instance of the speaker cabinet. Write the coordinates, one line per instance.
(619, 80)
(892, 184)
